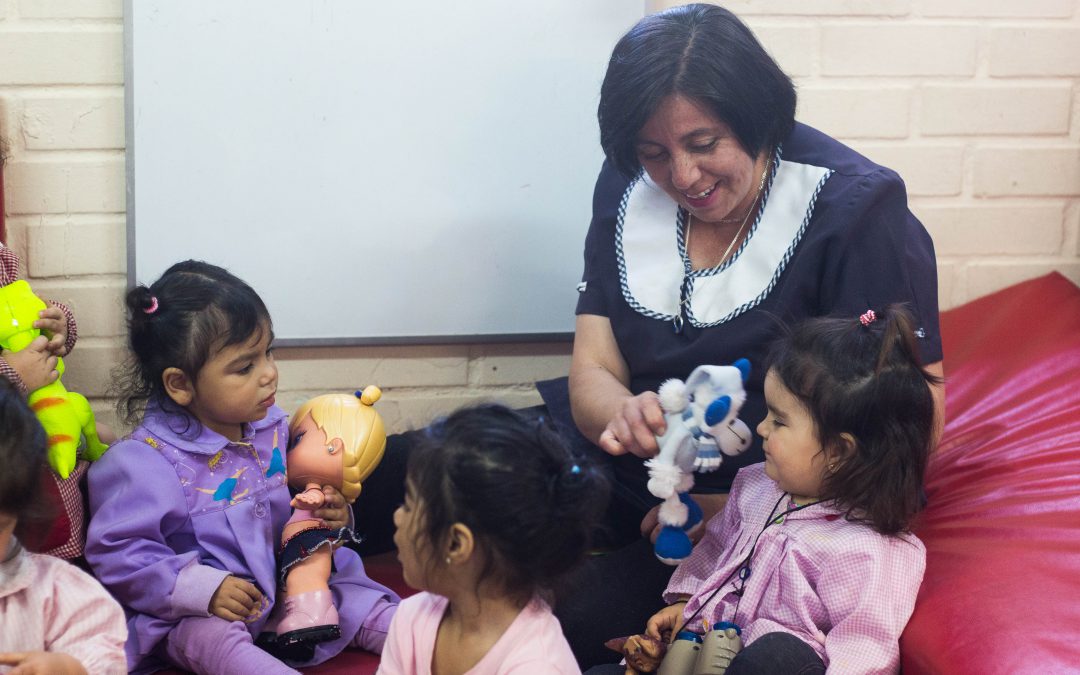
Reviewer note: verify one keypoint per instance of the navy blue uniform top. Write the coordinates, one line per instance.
(834, 237)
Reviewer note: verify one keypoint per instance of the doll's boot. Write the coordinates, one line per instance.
(309, 618)
(719, 647)
(682, 655)
(267, 640)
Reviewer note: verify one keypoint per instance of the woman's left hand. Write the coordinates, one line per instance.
(334, 511)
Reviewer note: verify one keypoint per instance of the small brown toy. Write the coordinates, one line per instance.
(642, 653)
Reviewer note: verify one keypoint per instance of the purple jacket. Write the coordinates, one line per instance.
(176, 507)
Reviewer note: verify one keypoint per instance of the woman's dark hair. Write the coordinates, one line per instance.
(531, 504)
(180, 321)
(866, 381)
(706, 54)
(22, 465)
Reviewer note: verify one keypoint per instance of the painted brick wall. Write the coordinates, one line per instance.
(975, 102)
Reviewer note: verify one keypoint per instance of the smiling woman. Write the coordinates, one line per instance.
(717, 220)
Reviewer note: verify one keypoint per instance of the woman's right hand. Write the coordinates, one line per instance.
(235, 599)
(637, 423)
(666, 622)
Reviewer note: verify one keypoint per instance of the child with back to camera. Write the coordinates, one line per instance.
(812, 558)
(187, 512)
(496, 511)
(54, 618)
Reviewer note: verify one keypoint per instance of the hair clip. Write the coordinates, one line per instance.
(868, 318)
(153, 305)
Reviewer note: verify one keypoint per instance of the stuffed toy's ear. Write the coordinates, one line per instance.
(744, 367)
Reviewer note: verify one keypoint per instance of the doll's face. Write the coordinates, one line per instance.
(313, 458)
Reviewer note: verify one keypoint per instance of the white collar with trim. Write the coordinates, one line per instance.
(652, 263)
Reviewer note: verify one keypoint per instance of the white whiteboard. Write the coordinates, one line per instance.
(377, 171)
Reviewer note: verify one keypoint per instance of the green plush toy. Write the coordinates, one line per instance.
(65, 415)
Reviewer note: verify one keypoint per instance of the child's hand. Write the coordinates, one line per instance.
(34, 364)
(334, 511)
(41, 663)
(54, 324)
(235, 599)
(666, 622)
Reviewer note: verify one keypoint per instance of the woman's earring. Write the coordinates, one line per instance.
(447, 560)
(330, 449)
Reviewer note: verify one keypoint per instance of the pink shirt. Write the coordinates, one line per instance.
(532, 645)
(841, 587)
(47, 604)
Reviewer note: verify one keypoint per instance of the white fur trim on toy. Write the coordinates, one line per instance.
(673, 512)
(673, 396)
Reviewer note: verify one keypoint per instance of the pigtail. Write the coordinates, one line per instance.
(578, 497)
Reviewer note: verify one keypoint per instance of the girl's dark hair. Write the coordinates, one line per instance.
(531, 504)
(22, 465)
(181, 321)
(706, 54)
(867, 381)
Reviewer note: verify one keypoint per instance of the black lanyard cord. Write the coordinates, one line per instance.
(743, 570)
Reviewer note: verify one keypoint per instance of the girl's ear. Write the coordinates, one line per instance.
(178, 386)
(460, 544)
(842, 451)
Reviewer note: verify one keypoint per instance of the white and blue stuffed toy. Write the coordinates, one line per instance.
(702, 427)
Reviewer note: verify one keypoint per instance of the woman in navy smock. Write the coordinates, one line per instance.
(717, 220)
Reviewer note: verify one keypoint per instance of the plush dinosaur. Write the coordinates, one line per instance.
(66, 416)
(702, 426)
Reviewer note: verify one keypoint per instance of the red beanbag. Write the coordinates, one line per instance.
(1002, 528)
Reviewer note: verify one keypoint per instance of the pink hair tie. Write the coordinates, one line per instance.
(868, 318)
(153, 305)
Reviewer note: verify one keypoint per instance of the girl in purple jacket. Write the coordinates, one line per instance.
(187, 512)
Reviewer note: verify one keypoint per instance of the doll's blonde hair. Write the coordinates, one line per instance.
(352, 419)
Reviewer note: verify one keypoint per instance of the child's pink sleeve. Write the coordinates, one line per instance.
(690, 576)
(82, 620)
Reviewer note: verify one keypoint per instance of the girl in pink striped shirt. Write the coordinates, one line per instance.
(811, 564)
(54, 618)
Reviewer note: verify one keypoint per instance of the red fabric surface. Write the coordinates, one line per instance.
(1002, 528)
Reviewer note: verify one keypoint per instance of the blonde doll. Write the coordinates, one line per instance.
(336, 439)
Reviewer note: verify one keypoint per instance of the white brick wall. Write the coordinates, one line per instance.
(975, 102)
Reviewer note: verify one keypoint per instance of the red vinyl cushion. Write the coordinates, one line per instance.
(1002, 527)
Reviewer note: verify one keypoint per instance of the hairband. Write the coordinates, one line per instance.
(153, 305)
(868, 318)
